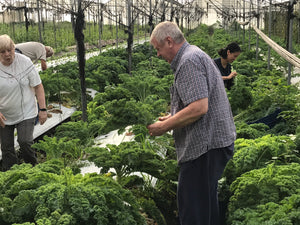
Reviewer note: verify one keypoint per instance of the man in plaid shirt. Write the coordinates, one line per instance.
(202, 124)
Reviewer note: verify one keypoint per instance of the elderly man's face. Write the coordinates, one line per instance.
(163, 50)
(7, 56)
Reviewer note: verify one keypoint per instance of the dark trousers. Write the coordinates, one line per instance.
(197, 187)
(25, 140)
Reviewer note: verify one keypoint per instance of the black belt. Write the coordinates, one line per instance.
(18, 50)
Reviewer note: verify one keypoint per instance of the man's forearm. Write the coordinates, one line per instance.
(186, 116)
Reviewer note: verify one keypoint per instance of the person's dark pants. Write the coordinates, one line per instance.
(25, 140)
(197, 194)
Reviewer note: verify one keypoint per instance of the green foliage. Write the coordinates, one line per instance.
(164, 196)
(291, 112)
(208, 41)
(111, 93)
(149, 169)
(104, 71)
(259, 193)
(250, 68)
(158, 67)
(137, 84)
(154, 158)
(264, 187)
(240, 96)
(140, 132)
(116, 52)
(150, 208)
(251, 131)
(297, 141)
(246, 55)
(69, 151)
(145, 83)
(32, 195)
(256, 153)
(271, 92)
(97, 118)
(139, 99)
(143, 48)
(27, 223)
(258, 91)
(63, 37)
(286, 212)
(51, 166)
(57, 148)
(76, 116)
(137, 57)
(61, 78)
(148, 159)
(127, 112)
(125, 159)
(73, 130)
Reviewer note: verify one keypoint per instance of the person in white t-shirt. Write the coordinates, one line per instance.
(20, 85)
(35, 51)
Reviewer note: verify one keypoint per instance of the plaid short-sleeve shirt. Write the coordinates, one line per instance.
(197, 77)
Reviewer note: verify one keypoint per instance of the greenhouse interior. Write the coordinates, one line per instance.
(103, 83)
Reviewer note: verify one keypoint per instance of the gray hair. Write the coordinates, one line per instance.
(49, 51)
(167, 29)
(6, 43)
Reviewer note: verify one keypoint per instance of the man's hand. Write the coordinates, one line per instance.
(164, 117)
(188, 115)
(156, 129)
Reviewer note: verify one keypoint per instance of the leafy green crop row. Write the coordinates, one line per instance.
(48, 194)
(61, 35)
(137, 179)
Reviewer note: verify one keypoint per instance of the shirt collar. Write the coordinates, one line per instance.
(178, 56)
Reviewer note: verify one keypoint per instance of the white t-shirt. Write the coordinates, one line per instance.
(33, 50)
(17, 94)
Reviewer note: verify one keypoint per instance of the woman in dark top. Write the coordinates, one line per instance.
(228, 55)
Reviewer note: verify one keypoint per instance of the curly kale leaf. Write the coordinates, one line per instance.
(271, 184)
(287, 212)
(256, 153)
(47, 198)
(126, 158)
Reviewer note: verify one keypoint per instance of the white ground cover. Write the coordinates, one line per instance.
(101, 141)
